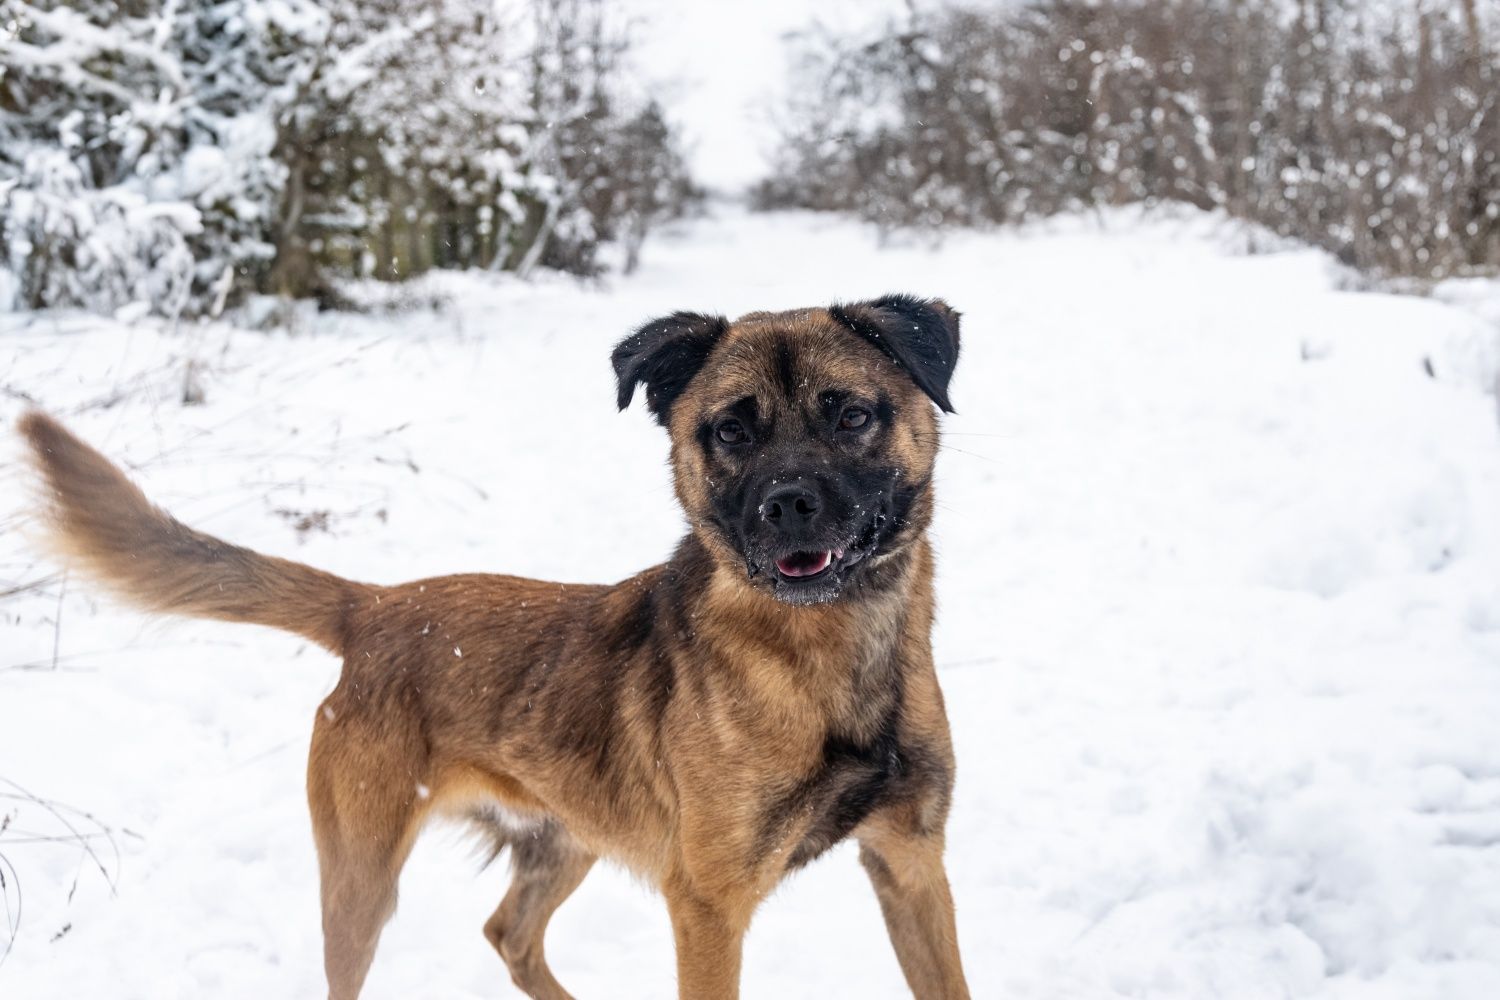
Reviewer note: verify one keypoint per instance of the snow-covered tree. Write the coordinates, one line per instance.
(91, 129)
(178, 153)
(1370, 128)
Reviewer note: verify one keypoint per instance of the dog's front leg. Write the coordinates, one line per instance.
(907, 871)
(710, 934)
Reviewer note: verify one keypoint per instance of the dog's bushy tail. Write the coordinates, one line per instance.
(107, 528)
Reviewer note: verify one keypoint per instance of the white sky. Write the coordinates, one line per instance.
(719, 65)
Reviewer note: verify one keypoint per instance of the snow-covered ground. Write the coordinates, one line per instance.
(1220, 622)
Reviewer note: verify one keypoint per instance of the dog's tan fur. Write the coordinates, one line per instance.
(678, 722)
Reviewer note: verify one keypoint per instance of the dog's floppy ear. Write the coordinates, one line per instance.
(664, 355)
(920, 335)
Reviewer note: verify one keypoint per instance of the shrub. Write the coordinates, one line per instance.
(180, 153)
(1371, 130)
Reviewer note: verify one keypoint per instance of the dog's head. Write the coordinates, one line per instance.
(802, 442)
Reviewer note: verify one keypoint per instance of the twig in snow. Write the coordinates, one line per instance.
(77, 834)
(10, 887)
(74, 835)
(27, 587)
(57, 621)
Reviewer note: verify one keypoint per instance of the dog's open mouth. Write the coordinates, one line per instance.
(804, 565)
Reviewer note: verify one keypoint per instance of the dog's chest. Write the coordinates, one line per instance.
(853, 781)
(853, 777)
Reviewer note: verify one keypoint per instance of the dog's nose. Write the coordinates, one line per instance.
(791, 507)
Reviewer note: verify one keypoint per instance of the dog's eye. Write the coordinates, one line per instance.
(853, 419)
(731, 432)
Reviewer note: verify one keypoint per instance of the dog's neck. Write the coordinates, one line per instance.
(865, 636)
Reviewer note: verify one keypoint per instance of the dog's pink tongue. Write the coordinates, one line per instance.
(804, 563)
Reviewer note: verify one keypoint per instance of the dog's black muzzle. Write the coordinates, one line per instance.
(805, 533)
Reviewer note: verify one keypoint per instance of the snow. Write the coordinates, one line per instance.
(1219, 627)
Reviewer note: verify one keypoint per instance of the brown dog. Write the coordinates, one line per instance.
(712, 723)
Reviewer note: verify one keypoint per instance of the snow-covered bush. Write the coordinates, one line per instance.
(75, 245)
(620, 171)
(1370, 129)
(183, 153)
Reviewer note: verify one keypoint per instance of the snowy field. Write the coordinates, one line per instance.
(1220, 621)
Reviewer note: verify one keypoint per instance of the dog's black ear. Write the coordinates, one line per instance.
(664, 355)
(920, 335)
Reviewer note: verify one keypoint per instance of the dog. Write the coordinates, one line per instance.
(713, 723)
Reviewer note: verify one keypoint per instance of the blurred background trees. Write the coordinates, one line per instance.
(1368, 127)
(182, 153)
(177, 155)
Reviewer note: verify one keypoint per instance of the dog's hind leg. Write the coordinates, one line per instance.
(548, 864)
(367, 806)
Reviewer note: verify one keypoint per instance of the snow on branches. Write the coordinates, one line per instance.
(176, 154)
